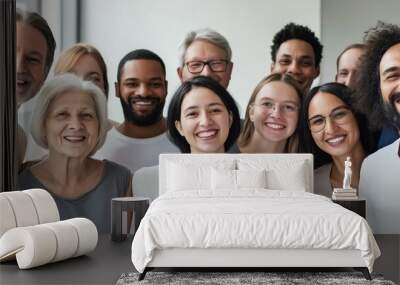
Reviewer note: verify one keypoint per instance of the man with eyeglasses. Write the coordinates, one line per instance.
(379, 87)
(205, 52)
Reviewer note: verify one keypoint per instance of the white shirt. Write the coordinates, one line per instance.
(134, 153)
(380, 186)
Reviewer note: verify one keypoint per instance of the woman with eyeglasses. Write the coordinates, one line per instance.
(272, 116)
(333, 130)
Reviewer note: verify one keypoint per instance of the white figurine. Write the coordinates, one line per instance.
(347, 174)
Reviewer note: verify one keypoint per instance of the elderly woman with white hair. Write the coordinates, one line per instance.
(70, 120)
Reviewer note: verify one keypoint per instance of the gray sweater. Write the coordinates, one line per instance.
(95, 204)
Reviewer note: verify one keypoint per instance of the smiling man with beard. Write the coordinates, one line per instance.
(142, 88)
(379, 87)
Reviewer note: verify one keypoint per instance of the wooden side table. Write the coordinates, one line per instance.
(357, 206)
(121, 209)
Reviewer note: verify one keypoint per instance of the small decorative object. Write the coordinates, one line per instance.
(347, 192)
(347, 174)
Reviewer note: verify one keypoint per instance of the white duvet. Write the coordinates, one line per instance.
(252, 218)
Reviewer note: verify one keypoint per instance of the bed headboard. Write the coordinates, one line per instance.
(273, 161)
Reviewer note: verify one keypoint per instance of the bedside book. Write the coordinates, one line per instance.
(344, 198)
(341, 190)
(344, 194)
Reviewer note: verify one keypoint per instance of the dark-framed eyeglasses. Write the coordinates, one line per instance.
(339, 116)
(216, 65)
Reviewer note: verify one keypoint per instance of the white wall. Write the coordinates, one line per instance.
(120, 26)
(345, 21)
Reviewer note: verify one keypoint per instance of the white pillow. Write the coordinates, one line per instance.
(192, 176)
(251, 178)
(237, 179)
(281, 174)
(223, 179)
(293, 179)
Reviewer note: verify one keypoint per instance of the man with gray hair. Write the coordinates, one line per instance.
(205, 52)
(35, 46)
(35, 52)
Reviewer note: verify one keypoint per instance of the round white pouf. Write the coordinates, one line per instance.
(33, 246)
(40, 244)
(67, 239)
(87, 234)
(45, 205)
(6, 216)
(23, 208)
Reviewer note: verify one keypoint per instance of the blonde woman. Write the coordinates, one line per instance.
(272, 116)
(87, 63)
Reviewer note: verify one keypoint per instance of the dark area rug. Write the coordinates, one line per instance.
(273, 278)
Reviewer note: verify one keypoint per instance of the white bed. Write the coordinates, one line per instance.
(217, 211)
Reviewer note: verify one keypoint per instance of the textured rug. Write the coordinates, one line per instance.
(243, 278)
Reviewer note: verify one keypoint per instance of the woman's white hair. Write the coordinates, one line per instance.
(57, 86)
(206, 35)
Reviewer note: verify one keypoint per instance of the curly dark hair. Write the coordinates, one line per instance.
(174, 111)
(344, 93)
(378, 40)
(294, 31)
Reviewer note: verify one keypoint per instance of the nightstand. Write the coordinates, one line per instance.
(121, 210)
(357, 206)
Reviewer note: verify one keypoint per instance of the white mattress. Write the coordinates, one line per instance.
(253, 218)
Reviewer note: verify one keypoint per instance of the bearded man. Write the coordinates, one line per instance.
(379, 87)
(142, 88)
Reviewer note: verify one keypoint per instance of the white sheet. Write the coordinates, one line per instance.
(252, 218)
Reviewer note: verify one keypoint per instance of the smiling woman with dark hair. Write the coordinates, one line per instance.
(203, 117)
(333, 130)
